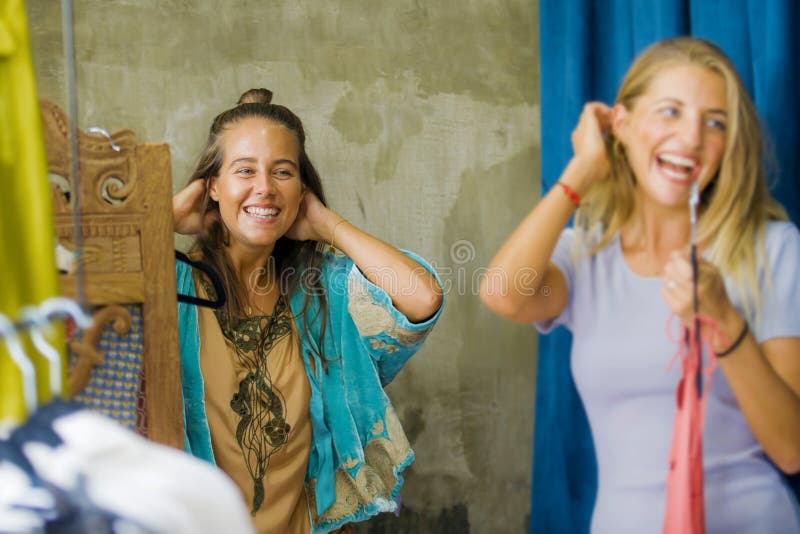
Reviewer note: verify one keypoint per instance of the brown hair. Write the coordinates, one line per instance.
(294, 264)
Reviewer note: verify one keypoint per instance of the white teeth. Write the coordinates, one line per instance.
(677, 160)
(675, 174)
(262, 212)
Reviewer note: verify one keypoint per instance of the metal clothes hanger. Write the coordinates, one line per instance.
(104, 133)
(38, 318)
(36, 324)
(38, 426)
(65, 307)
(694, 200)
(8, 331)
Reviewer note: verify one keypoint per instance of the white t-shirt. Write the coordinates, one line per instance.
(621, 356)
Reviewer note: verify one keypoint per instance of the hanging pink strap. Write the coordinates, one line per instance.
(685, 511)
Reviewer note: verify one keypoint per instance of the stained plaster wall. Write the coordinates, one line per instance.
(422, 118)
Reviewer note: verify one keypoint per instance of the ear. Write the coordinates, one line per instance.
(620, 122)
(212, 188)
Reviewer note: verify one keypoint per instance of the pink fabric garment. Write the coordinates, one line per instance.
(685, 510)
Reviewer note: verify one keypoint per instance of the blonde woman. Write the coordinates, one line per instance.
(682, 116)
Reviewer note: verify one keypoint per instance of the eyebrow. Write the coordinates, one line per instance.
(253, 160)
(286, 161)
(671, 100)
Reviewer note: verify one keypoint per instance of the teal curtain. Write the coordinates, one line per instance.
(585, 48)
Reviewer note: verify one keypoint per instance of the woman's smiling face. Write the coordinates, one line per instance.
(675, 133)
(259, 188)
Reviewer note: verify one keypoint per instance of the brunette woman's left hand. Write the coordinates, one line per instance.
(678, 290)
(414, 291)
(314, 221)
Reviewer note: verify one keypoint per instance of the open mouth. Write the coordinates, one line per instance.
(264, 214)
(677, 167)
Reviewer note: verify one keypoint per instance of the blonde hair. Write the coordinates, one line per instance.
(735, 206)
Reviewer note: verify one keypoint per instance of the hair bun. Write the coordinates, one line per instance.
(255, 96)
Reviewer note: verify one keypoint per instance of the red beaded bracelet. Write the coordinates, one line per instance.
(573, 196)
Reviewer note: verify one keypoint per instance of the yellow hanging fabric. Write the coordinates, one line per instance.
(27, 254)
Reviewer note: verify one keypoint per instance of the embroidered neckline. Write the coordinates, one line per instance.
(262, 430)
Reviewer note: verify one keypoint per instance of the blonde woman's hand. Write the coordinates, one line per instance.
(712, 297)
(589, 143)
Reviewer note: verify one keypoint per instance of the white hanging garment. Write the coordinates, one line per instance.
(153, 487)
(23, 502)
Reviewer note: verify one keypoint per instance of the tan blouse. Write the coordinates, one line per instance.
(257, 403)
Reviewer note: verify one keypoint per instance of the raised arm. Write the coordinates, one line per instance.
(514, 280)
(187, 209)
(413, 290)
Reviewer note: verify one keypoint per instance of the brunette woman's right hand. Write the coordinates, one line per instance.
(589, 142)
(187, 209)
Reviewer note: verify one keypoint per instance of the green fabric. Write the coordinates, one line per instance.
(26, 217)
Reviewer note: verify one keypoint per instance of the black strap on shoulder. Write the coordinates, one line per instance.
(215, 281)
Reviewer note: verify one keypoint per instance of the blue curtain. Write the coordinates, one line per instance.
(585, 48)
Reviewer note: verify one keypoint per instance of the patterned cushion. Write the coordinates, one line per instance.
(115, 386)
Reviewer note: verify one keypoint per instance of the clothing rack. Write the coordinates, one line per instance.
(25, 325)
(34, 319)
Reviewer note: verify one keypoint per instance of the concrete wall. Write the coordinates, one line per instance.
(423, 121)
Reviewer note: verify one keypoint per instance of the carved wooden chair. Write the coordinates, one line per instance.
(128, 362)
